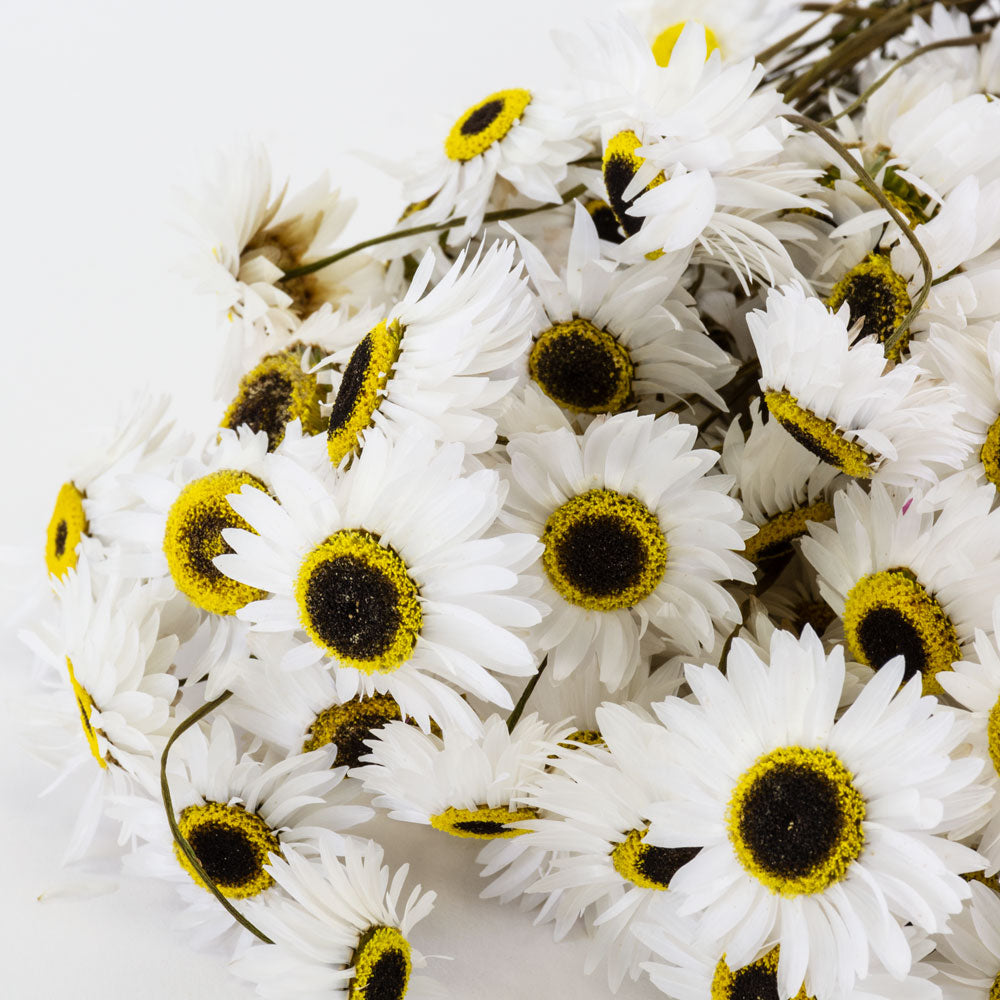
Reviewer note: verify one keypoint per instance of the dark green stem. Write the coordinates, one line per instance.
(431, 227)
(179, 838)
(514, 716)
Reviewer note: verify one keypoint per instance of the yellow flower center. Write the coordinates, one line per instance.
(646, 866)
(795, 820)
(361, 389)
(482, 823)
(582, 368)
(773, 539)
(604, 550)
(86, 705)
(485, 123)
(873, 290)
(756, 981)
(663, 46)
(889, 614)
(273, 394)
(604, 220)
(382, 963)
(193, 538)
(621, 163)
(67, 526)
(348, 725)
(989, 454)
(231, 845)
(820, 436)
(358, 602)
(993, 735)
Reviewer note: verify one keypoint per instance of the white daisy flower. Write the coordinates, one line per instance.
(968, 955)
(594, 810)
(428, 364)
(611, 338)
(526, 138)
(693, 971)
(814, 831)
(780, 506)
(384, 572)
(236, 812)
(341, 930)
(89, 505)
(636, 536)
(841, 403)
(113, 705)
(244, 240)
(690, 150)
(468, 786)
(908, 582)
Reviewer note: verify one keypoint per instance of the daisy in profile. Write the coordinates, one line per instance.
(594, 808)
(236, 812)
(811, 828)
(88, 505)
(782, 505)
(340, 929)
(907, 582)
(469, 786)
(691, 150)
(844, 403)
(107, 720)
(636, 536)
(967, 960)
(244, 238)
(524, 137)
(389, 573)
(613, 338)
(427, 365)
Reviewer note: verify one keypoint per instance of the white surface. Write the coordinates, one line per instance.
(108, 105)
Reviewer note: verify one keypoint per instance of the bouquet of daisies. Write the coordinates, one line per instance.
(630, 507)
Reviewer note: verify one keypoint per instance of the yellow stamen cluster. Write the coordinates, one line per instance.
(382, 964)
(361, 389)
(193, 538)
(989, 454)
(485, 123)
(86, 705)
(776, 533)
(66, 527)
(883, 603)
(588, 737)
(725, 982)
(820, 436)
(849, 836)
(875, 291)
(232, 846)
(620, 165)
(482, 823)
(347, 725)
(663, 46)
(333, 618)
(631, 859)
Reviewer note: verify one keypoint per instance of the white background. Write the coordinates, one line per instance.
(108, 106)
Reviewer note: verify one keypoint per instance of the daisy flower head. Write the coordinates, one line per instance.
(244, 239)
(87, 507)
(690, 150)
(109, 716)
(340, 929)
(909, 582)
(636, 535)
(780, 506)
(236, 812)
(814, 829)
(428, 364)
(390, 573)
(525, 138)
(843, 403)
(594, 806)
(468, 786)
(612, 338)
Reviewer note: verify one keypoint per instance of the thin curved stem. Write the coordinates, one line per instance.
(945, 43)
(868, 183)
(782, 43)
(179, 838)
(515, 715)
(431, 227)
